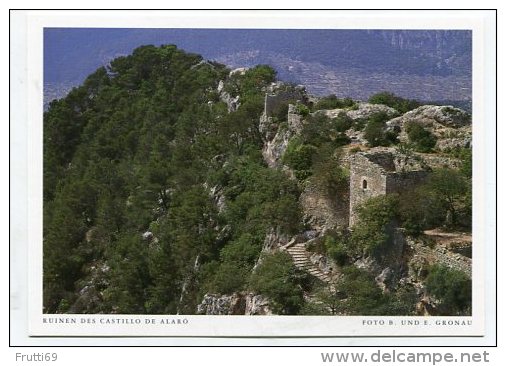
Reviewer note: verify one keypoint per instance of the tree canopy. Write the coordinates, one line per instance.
(135, 160)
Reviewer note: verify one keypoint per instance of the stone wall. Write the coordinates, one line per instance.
(294, 119)
(377, 174)
(366, 180)
(272, 101)
(440, 255)
(323, 212)
(401, 182)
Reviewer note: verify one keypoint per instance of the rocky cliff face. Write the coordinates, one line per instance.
(231, 102)
(277, 136)
(235, 304)
(362, 111)
(451, 126)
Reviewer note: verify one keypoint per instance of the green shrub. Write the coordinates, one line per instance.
(465, 155)
(419, 211)
(317, 130)
(280, 112)
(278, 279)
(372, 232)
(342, 122)
(421, 139)
(375, 131)
(336, 249)
(358, 294)
(359, 124)
(320, 129)
(299, 157)
(452, 288)
(341, 140)
(328, 176)
(452, 190)
(302, 110)
(332, 102)
(363, 296)
(391, 100)
(229, 278)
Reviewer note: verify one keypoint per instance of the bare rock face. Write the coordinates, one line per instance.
(275, 144)
(234, 304)
(231, 102)
(147, 236)
(446, 115)
(274, 240)
(274, 149)
(451, 126)
(238, 71)
(364, 111)
(462, 140)
(428, 115)
(267, 128)
(221, 305)
(384, 279)
(368, 264)
(216, 194)
(257, 305)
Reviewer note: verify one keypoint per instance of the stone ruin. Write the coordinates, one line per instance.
(275, 96)
(381, 172)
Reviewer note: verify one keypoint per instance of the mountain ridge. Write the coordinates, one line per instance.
(317, 58)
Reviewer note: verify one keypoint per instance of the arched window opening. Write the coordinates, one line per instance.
(364, 184)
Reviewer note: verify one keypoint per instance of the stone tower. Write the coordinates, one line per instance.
(380, 172)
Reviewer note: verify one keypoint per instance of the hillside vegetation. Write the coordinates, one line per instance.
(157, 194)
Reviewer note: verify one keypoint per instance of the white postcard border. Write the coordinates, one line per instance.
(82, 325)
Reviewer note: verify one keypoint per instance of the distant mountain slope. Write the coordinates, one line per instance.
(438, 60)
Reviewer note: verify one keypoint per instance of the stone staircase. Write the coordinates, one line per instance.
(301, 260)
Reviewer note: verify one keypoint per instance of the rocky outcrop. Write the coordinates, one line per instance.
(231, 102)
(275, 146)
(257, 305)
(235, 304)
(435, 161)
(238, 71)
(218, 197)
(274, 149)
(362, 111)
(274, 240)
(366, 110)
(451, 126)
(385, 279)
(428, 115)
(463, 140)
(441, 253)
(221, 305)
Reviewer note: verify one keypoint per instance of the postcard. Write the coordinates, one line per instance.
(259, 174)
